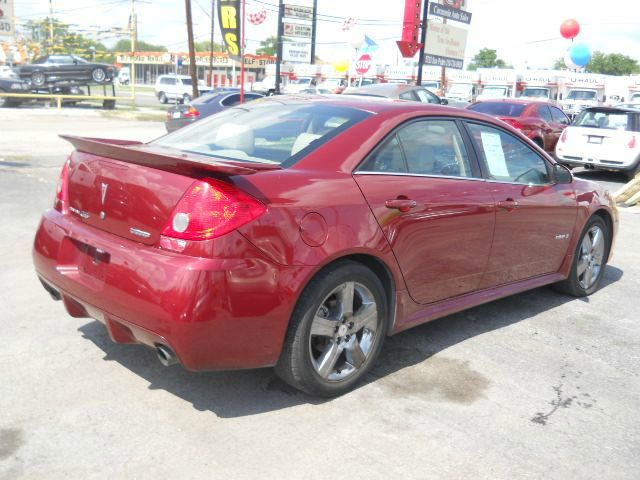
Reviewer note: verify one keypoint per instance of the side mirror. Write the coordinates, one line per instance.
(562, 174)
(444, 101)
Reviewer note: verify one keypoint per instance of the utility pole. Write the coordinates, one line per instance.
(51, 23)
(213, 24)
(314, 25)
(134, 45)
(279, 45)
(423, 40)
(192, 51)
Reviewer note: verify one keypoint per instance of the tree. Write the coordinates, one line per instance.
(205, 46)
(268, 46)
(559, 64)
(613, 64)
(64, 41)
(124, 45)
(487, 58)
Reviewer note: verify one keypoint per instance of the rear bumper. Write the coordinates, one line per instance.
(213, 313)
(600, 164)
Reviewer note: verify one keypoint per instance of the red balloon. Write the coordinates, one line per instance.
(570, 28)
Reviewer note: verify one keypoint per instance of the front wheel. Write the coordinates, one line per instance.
(98, 75)
(38, 79)
(590, 260)
(336, 331)
(162, 97)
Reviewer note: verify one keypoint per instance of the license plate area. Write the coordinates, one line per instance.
(83, 263)
(594, 139)
(176, 114)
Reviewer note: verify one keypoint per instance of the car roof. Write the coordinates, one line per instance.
(517, 101)
(391, 90)
(614, 109)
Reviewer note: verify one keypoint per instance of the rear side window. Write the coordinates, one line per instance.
(427, 97)
(604, 119)
(559, 116)
(545, 113)
(407, 96)
(429, 147)
(231, 100)
(507, 158)
(499, 109)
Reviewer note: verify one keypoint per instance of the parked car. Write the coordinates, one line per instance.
(316, 91)
(542, 122)
(12, 85)
(177, 88)
(7, 72)
(397, 91)
(300, 232)
(66, 68)
(603, 138)
(203, 106)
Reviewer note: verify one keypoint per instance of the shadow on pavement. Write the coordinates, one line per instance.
(251, 392)
(601, 176)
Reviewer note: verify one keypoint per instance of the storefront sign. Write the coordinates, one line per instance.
(450, 13)
(296, 52)
(298, 11)
(297, 30)
(445, 45)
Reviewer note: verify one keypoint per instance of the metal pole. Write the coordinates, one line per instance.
(51, 23)
(314, 24)
(134, 42)
(279, 45)
(423, 40)
(192, 51)
(242, 47)
(213, 23)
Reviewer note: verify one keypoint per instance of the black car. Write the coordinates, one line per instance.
(66, 68)
(12, 85)
(184, 114)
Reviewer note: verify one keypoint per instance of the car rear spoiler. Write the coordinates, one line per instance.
(149, 156)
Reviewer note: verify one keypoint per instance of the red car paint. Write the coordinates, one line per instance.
(541, 127)
(226, 303)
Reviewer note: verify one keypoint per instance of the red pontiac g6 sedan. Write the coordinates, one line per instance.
(542, 122)
(300, 232)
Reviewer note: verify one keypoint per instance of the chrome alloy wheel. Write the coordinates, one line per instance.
(591, 257)
(343, 332)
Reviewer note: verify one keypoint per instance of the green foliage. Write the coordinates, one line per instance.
(124, 45)
(487, 58)
(205, 46)
(613, 64)
(559, 64)
(268, 46)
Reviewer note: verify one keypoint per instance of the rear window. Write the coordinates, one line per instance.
(267, 132)
(500, 109)
(605, 119)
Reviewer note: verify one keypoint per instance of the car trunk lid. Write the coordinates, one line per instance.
(130, 189)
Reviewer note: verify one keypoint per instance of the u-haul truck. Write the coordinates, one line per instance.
(304, 76)
(400, 74)
(540, 85)
(499, 83)
(462, 86)
(582, 90)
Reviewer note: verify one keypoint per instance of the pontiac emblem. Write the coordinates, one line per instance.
(103, 195)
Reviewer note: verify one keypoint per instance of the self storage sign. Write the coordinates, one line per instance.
(6, 18)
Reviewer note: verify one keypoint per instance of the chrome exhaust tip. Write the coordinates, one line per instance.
(166, 355)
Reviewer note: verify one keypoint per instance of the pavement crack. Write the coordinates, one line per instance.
(557, 403)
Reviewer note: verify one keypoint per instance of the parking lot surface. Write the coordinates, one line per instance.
(539, 385)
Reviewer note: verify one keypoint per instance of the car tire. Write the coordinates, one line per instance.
(4, 101)
(186, 98)
(38, 79)
(98, 75)
(631, 174)
(162, 97)
(589, 261)
(336, 331)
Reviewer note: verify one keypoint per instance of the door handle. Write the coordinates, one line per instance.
(509, 204)
(401, 204)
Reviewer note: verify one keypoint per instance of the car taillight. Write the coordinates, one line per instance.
(563, 137)
(632, 142)
(209, 209)
(62, 190)
(192, 113)
(514, 123)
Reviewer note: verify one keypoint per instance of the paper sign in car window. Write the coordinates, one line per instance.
(492, 146)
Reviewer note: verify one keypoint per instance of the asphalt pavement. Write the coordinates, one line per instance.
(539, 385)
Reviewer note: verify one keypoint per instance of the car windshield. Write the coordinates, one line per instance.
(460, 90)
(78, 59)
(301, 81)
(268, 132)
(500, 109)
(536, 92)
(609, 120)
(186, 81)
(582, 95)
(494, 92)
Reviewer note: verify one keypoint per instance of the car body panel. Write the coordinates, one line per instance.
(69, 69)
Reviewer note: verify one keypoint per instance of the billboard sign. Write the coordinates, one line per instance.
(296, 52)
(6, 18)
(298, 11)
(445, 45)
(297, 30)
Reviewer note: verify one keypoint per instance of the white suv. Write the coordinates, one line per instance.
(176, 87)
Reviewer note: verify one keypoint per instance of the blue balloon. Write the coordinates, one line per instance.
(580, 54)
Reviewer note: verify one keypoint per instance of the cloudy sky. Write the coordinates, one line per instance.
(523, 33)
